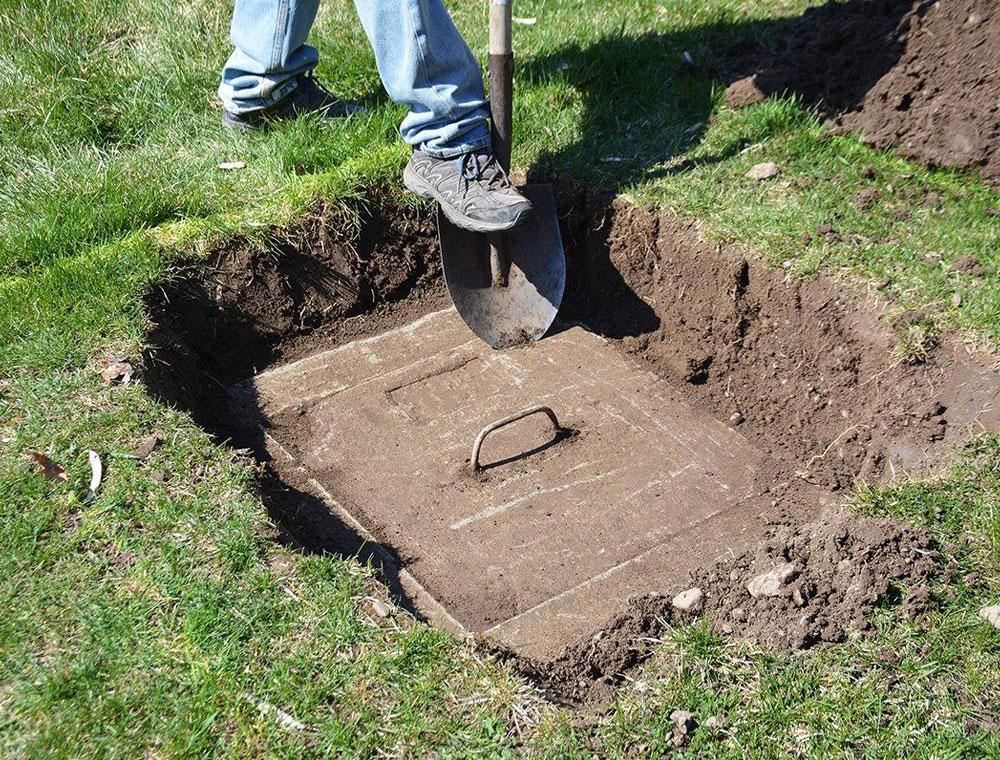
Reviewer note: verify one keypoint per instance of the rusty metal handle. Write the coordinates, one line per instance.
(539, 409)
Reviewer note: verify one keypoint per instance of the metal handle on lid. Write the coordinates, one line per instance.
(540, 409)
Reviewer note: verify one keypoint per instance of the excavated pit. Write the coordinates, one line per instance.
(716, 407)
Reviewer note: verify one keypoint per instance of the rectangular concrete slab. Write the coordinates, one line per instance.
(550, 539)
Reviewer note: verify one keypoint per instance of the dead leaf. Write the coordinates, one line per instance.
(50, 469)
(117, 371)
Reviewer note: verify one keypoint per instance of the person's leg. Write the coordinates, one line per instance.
(425, 64)
(269, 53)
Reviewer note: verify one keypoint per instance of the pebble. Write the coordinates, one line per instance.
(771, 582)
(991, 615)
(683, 720)
(736, 418)
(766, 170)
(689, 601)
(715, 722)
(956, 299)
(381, 608)
(738, 614)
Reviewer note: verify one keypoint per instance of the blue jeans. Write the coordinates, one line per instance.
(422, 59)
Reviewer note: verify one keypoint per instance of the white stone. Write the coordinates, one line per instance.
(689, 601)
(766, 170)
(991, 615)
(771, 582)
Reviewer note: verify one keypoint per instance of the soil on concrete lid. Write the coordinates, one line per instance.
(804, 369)
(803, 585)
(915, 75)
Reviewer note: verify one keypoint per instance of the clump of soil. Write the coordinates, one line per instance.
(803, 585)
(589, 671)
(815, 582)
(917, 75)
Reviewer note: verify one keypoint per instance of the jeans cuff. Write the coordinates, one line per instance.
(458, 150)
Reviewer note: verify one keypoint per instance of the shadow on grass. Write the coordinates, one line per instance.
(648, 100)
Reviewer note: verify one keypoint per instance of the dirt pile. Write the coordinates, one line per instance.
(813, 583)
(803, 585)
(916, 75)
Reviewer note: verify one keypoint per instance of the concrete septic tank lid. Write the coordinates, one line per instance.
(551, 538)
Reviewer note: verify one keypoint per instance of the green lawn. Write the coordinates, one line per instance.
(163, 618)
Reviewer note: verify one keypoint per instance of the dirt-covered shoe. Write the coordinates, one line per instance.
(473, 190)
(309, 96)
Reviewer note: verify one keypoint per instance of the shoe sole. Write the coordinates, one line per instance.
(416, 185)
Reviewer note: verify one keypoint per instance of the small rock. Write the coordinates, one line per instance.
(825, 229)
(806, 238)
(381, 608)
(689, 601)
(974, 19)
(157, 476)
(766, 170)
(991, 615)
(715, 722)
(744, 92)
(738, 614)
(771, 582)
(956, 299)
(736, 418)
(683, 721)
(727, 629)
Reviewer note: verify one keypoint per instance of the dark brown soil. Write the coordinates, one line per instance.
(805, 367)
(802, 368)
(339, 274)
(842, 568)
(919, 76)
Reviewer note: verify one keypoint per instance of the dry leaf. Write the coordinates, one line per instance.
(49, 468)
(117, 371)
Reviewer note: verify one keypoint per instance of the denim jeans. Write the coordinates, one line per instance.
(422, 59)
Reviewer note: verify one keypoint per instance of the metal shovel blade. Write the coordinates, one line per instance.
(522, 309)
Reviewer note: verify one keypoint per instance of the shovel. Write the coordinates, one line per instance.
(506, 286)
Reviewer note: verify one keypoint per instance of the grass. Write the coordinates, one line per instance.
(164, 618)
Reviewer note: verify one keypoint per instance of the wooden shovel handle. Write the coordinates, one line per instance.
(501, 79)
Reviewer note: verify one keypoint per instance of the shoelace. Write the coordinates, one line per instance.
(479, 166)
(323, 92)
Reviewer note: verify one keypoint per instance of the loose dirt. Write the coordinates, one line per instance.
(801, 370)
(916, 75)
(836, 569)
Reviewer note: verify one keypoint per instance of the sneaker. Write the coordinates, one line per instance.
(309, 96)
(473, 190)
